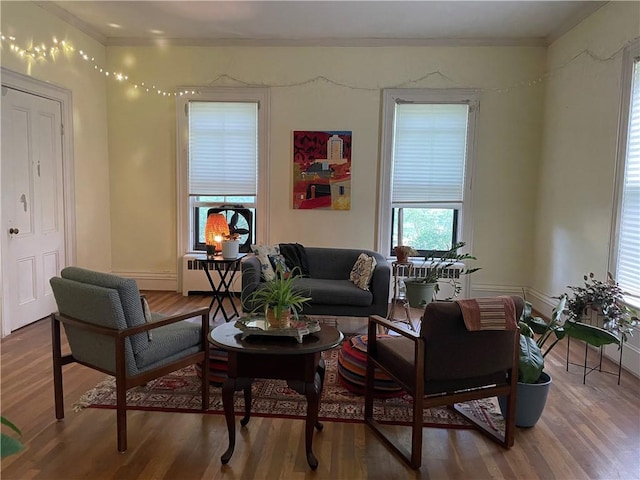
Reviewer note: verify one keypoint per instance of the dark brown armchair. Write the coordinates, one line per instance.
(443, 365)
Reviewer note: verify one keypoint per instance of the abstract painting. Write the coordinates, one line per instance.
(322, 170)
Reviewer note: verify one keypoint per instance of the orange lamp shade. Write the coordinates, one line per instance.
(215, 230)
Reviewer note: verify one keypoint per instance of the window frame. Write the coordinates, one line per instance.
(630, 54)
(390, 97)
(185, 211)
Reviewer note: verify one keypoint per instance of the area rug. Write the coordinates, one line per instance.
(180, 392)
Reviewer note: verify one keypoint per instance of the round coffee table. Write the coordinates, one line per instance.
(300, 364)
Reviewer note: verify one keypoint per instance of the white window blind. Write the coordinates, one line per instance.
(223, 148)
(628, 262)
(429, 150)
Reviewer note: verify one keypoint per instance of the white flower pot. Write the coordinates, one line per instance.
(230, 249)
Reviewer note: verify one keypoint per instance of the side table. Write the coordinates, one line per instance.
(226, 269)
(300, 364)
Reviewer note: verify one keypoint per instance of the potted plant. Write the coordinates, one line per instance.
(403, 252)
(421, 289)
(607, 299)
(278, 298)
(9, 445)
(533, 382)
(231, 246)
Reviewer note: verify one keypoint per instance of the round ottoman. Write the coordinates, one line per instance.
(352, 370)
(217, 366)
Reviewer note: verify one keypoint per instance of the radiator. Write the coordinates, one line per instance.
(194, 278)
(446, 289)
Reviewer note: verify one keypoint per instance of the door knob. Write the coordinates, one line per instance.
(14, 231)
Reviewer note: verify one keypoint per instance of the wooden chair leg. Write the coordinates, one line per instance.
(416, 432)
(205, 363)
(121, 414)
(57, 368)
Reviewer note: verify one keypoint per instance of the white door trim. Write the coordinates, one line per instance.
(53, 92)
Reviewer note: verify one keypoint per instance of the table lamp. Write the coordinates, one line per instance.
(214, 232)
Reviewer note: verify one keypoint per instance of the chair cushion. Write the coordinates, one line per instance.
(397, 355)
(170, 343)
(129, 297)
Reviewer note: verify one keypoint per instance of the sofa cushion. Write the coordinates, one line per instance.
(333, 292)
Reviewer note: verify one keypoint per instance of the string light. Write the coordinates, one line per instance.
(42, 51)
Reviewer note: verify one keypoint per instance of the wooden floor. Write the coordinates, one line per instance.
(587, 431)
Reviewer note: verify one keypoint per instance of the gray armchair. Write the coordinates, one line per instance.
(105, 325)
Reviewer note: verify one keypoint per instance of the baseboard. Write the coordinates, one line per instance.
(153, 281)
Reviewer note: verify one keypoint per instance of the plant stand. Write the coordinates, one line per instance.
(587, 369)
(399, 270)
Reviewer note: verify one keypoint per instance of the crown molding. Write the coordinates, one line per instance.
(327, 42)
(72, 20)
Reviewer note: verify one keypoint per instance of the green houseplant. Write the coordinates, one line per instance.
(278, 298)
(422, 288)
(9, 445)
(533, 382)
(607, 299)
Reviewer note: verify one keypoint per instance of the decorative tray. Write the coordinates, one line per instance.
(258, 325)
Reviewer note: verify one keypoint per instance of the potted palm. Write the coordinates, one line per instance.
(278, 299)
(422, 289)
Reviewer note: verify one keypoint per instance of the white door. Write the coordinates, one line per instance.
(33, 241)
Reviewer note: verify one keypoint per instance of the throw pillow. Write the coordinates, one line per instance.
(362, 271)
(278, 261)
(263, 252)
(147, 315)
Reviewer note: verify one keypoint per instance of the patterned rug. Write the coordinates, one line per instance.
(180, 392)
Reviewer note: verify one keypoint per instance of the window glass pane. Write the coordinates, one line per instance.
(201, 220)
(628, 261)
(425, 229)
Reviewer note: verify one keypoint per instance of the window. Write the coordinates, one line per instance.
(427, 147)
(222, 149)
(625, 255)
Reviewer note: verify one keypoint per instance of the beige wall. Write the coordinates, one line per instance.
(574, 209)
(567, 165)
(142, 141)
(30, 23)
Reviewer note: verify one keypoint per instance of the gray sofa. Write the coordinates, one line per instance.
(328, 283)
